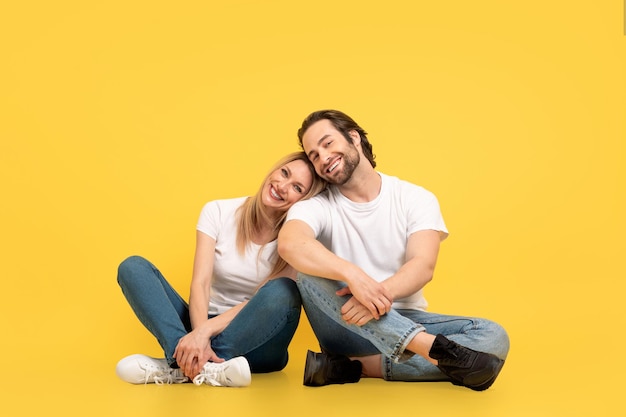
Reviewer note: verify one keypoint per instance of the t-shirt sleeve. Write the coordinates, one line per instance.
(209, 220)
(311, 212)
(424, 213)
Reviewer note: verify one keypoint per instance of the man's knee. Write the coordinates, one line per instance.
(503, 342)
(305, 281)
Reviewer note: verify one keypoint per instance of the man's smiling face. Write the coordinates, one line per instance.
(334, 158)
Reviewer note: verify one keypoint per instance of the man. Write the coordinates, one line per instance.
(365, 250)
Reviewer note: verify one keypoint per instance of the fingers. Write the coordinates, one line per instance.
(376, 298)
(358, 318)
(384, 301)
(376, 308)
(196, 367)
(187, 359)
(191, 355)
(216, 359)
(181, 360)
(364, 320)
(383, 306)
(353, 303)
(380, 306)
(343, 291)
(209, 355)
(348, 305)
(353, 312)
(189, 365)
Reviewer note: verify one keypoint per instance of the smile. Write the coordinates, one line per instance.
(333, 166)
(274, 194)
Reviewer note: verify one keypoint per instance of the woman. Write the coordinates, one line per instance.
(248, 291)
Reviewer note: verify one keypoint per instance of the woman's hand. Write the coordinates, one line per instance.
(193, 351)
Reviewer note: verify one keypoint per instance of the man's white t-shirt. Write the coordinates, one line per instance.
(374, 235)
(235, 277)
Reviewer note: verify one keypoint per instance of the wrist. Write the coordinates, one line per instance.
(389, 289)
(204, 329)
(351, 275)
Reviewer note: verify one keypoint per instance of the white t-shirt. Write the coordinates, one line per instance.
(235, 277)
(374, 235)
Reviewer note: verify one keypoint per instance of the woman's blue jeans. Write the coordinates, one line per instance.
(261, 331)
(391, 334)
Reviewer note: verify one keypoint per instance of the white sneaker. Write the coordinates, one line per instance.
(142, 369)
(232, 373)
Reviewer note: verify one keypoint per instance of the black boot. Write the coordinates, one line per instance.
(324, 369)
(464, 366)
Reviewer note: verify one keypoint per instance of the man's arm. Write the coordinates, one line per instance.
(298, 246)
(413, 275)
(421, 257)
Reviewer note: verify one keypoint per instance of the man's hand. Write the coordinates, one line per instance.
(353, 312)
(372, 295)
(193, 351)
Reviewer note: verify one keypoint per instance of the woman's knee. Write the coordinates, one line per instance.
(282, 289)
(129, 267)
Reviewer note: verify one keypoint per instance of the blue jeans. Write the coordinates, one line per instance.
(390, 335)
(261, 331)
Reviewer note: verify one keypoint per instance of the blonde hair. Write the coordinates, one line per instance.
(253, 213)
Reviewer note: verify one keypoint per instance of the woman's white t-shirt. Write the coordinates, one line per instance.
(235, 277)
(374, 235)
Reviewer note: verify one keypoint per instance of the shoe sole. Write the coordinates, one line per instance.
(486, 384)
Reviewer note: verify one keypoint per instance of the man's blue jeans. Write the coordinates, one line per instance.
(391, 334)
(261, 331)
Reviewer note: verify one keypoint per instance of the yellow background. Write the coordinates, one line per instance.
(120, 119)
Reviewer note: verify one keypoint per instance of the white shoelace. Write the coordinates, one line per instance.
(164, 376)
(214, 374)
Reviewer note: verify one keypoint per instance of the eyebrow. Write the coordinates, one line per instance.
(318, 144)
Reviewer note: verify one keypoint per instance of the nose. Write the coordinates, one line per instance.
(324, 156)
(282, 186)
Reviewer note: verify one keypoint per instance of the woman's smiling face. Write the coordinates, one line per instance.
(287, 185)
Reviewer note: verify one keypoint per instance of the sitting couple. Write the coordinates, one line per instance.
(356, 254)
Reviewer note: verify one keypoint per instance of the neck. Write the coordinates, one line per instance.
(264, 229)
(363, 186)
(263, 234)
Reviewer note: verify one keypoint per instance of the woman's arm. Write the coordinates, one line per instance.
(218, 323)
(201, 279)
(194, 349)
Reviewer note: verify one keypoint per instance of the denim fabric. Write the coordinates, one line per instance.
(261, 331)
(390, 334)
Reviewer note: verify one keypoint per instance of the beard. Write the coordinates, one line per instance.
(350, 162)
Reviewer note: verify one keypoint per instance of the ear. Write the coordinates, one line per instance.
(356, 138)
